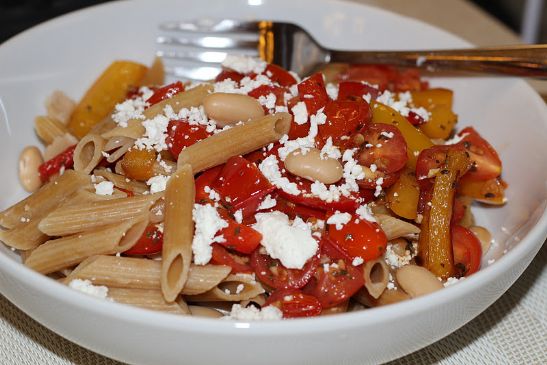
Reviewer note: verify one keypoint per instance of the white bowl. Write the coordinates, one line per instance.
(69, 52)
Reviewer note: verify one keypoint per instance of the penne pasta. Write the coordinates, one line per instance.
(178, 232)
(59, 106)
(116, 147)
(24, 236)
(88, 153)
(391, 296)
(155, 74)
(238, 140)
(395, 228)
(122, 182)
(58, 145)
(234, 288)
(148, 299)
(376, 275)
(43, 200)
(47, 128)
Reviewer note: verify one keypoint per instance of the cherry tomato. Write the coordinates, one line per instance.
(279, 75)
(63, 160)
(149, 243)
(431, 159)
(294, 304)
(238, 237)
(408, 80)
(273, 274)
(238, 263)
(265, 90)
(384, 147)
(180, 135)
(362, 239)
(229, 74)
(241, 185)
(458, 211)
(165, 92)
(313, 93)
(293, 210)
(415, 119)
(486, 163)
(343, 119)
(467, 250)
(354, 90)
(206, 178)
(381, 75)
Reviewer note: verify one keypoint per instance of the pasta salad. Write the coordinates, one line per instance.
(257, 195)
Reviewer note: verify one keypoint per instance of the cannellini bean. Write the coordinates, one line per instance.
(483, 235)
(29, 161)
(312, 167)
(226, 109)
(417, 280)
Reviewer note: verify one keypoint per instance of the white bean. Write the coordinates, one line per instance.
(484, 237)
(417, 280)
(29, 161)
(312, 167)
(226, 109)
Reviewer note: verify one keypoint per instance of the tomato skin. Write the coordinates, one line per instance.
(467, 250)
(53, 166)
(238, 237)
(354, 90)
(314, 86)
(265, 90)
(206, 178)
(272, 273)
(293, 210)
(229, 74)
(486, 163)
(180, 135)
(221, 256)
(343, 119)
(151, 242)
(294, 304)
(415, 119)
(362, 239)
(279, 75)
(430, 159)
(380, 75)
(165, 92)
(388, 154)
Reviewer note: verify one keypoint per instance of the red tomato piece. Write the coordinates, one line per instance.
(238, 263)
(467, 250)
(354, 90)
(279, 75)
(486, 163)
(229, 74)
(314, 86)
(362, 239)
(458, 211)
(165, 92)
(408, 80)
(63, 160)
(415, 119)
(381, 75)
(385, 147)
(343, 119)
(151, 242)
(293, 210)
(431, 159)
(294, 304)
(241, 185)
(265, 90)
(272, 273)
(180, 135)
(238, 237)
(206, 179)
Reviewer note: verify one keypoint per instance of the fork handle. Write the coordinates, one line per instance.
(519, 60)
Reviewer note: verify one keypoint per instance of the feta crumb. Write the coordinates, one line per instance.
(240, 288)
(267, 203)
(104, 188)
(244, 65)
(300, 113)
(268, 101)
(157, 183)
(329, 150)
(252, 313)
(339, 219)
(270, 169)
(456, 139)
(357, 261)
(396, 261)
(332, 91)
(85, 286)
(208, 223)
(365, 213)
(238, 216)
(451, 281)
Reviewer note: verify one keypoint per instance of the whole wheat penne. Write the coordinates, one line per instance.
(69, 219)
(394, 227)
(24, 236)
(187, 99)
(58, 145)
(47, 128)
(389, 296)
(88, 153)
(238, 140)
(164, 168)
(59, 106)
(234, 288)
(65, 252)
(156, 214)
(376, 275)
(178, 232)
(43, 200)
(105, 125)
(121, 181)
(116, 147)
(155, 74)
(148, 299)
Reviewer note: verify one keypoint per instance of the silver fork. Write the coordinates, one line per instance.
(195, 50)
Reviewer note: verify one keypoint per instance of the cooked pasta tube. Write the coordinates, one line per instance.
(105, 125)
(69, 219)
(24, 236)
(238, 140)
(155, 75)
(116, 147)
(131, 272)
(65, 252)
(376, 275)
(187, 99)
(88, 153)
(122, 182)
(394, 227)
(178, 232)
(59, 106)
(48, 128)
(43, 200)
(148, 299)
(58, 145)
(390, 296)
(234, 288)
(164, 168)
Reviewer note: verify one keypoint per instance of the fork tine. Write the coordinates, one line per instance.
(204, 73)
(211, 26)
(208, 57)
(208, 42)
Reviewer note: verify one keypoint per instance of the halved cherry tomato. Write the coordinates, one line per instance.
(385, 147)
(467, 250)
(362, 239)
(458, 211)
(279, 75)
(165, 92)
(354, 90)
(343, 119)
(335, 280)
(238, 237)
(63, 160)
(272, 273)
(229, 74)
(294, 304)
(313, 93)
(180, 134)
(238, 263)
(485, 159)
(206, 178)
(428, 161)
(149, 243)
(241, 185)
(381, 75)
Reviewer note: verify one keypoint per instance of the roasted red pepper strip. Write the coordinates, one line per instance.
(62, 160)
(151, 242)
(165, 92)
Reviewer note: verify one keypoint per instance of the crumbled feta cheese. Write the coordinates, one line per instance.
(154, 134)
(367, 97)
(365, 213)
(401, 103)
(357, 261)
(157, 183)
(238, 216)
(104, 188)
(252, 313)
(451, 281)
(329, 150)
(270, 169)
(130, 109)
(396, 261)
(85, 286)
(267, 203)
(240, 288)
(208, 223)
(303, 143)
(291, 243)
(332, 91)
(300, 113)
(339, 219)
(268, 101)
(456, 139)
(244, 65)
(213, 195)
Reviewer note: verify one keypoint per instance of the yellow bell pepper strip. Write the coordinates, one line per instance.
(108, 90)
(415, 139)
(432, 97)
(438, 103)
(435, 244)
(402, 197)
(491, 191)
